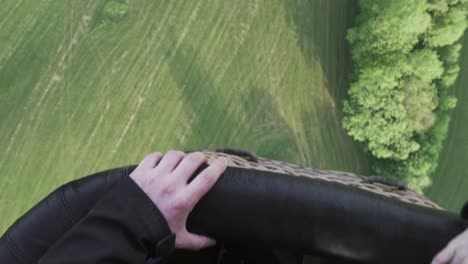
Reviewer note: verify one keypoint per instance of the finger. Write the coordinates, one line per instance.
(446, 255)
(460, 258)
(193, 241)
(151, 160)
(189, 165)
(169, 162)
(203, 182)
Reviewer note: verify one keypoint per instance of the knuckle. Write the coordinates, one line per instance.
(208, 178)
(182, 202)
(175, 153)
(195, 157)
(151, 156)
(169, 189)
(156, 154)
(171, 152)
(219, 166)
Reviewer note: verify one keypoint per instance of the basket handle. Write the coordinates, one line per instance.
(401, 185)
(239, 152)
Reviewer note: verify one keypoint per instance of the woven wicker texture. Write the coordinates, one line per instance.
(378, 185)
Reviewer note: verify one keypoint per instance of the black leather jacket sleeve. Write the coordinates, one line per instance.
(123, 227)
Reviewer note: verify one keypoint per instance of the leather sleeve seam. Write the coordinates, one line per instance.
(16, 251)
(65, 207)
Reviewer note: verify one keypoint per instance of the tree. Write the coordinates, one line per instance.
(405, 56)
(420, 102)
(376, 113)
(438, 7)
(450, 76)
(449, 28)
(425, 64)
(390, 26)
(450, 53)
(447, 102)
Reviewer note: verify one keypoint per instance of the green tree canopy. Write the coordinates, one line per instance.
(420, 102)
(448, 28)
(425, 64)
(405, 56)
(388, 26)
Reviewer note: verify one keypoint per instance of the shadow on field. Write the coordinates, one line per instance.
(274, 137)
(252, 122)
(320, 28)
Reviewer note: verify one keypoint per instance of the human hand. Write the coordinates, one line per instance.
(164, 180)
(456, 252)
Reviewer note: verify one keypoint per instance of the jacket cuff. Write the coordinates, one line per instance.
(155, 229)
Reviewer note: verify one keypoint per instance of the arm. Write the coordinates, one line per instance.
(144, 215)
(123, 227)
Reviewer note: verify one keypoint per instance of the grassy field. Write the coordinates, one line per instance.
(450, 188)
(79, 94)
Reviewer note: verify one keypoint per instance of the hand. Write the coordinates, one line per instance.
(164, 180)
(456, 252)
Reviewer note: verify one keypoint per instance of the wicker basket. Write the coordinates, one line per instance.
(383, 186)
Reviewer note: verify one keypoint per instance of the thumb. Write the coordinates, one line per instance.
(193, 241)
(446, 255)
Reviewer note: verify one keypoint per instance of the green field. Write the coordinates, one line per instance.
(450, 188)
(79, 95)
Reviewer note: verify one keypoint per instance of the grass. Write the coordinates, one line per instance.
(79, 96)
(451, 177)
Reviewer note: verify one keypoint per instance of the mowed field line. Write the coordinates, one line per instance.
(154, 72)
(233, 93)
(11, 13)
(228, 63)
(450, 181)
(160, 62)
(140, 97)
(170, 75)
(32, 99)
(29, 117)
(28, 21)
(36, 98)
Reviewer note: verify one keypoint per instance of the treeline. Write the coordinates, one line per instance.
(405, 59)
